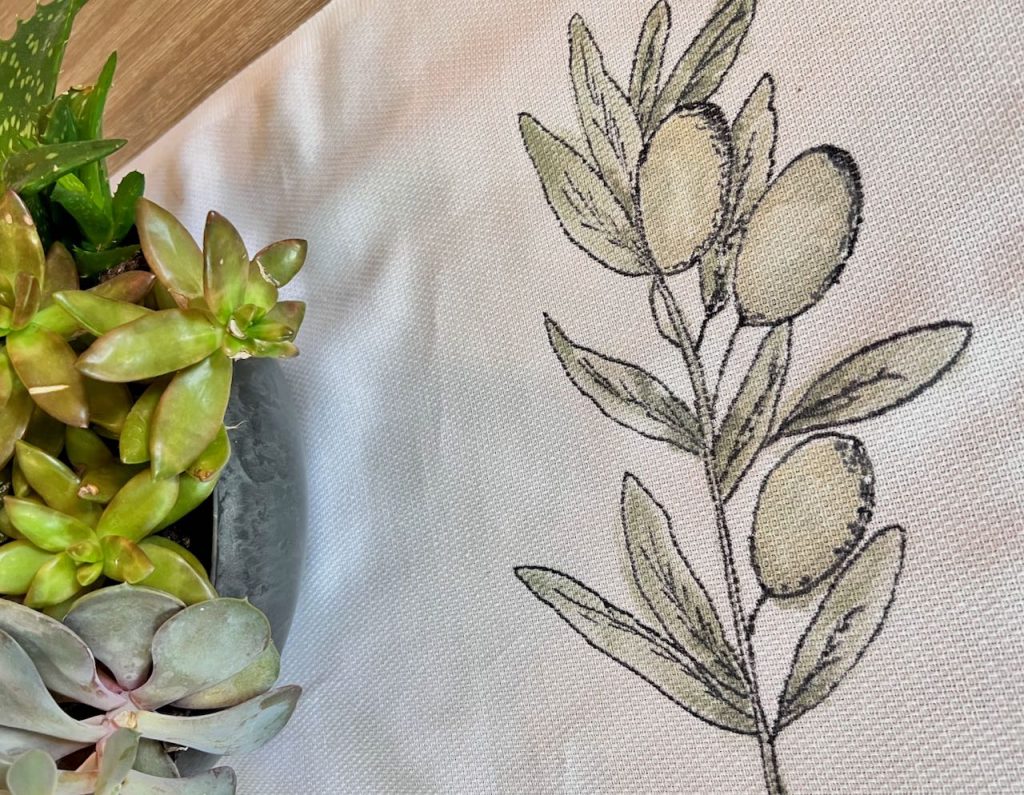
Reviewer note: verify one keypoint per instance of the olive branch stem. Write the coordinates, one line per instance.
(705, 416)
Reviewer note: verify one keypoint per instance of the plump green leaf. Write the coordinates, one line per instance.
(28, 297)
(879, 377)
(19, 562)
(134, 441)
(226, 267)
(623, 392)
(279, 262)
(812, 511)
(192, 492)
(96, 314)
(635, 646)
(32, 773)
(14, 742)
(799, 237)
(49, 477)
(118, 624)
(219, 781)
(129, 287)
(647, 62)
(612, 131)
(700, 71)
(159, 343)
(29, 67)
(59, 271)
(175, 572)
(683, 186)
(45, 527)
(62, 659)
(170, 250)
(20, 248)
(116, 760)
(109, 404)
(254, 680)
(586, 208)
(232, 633)
(45, 364)
(849, 618)
(287, 313)
(124, 560)
(190, 414)
(212, 460)
(55, 582)
(86, 450)
(673, 592)
(28, 704)
(139, 507)
(748, 423)
(45, 432)
(101, 484)
(239, 730)
(14, 415)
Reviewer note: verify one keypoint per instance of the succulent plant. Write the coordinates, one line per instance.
(139, 675)
(216, 305)
(72, 530)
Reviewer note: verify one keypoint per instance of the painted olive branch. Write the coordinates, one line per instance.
(673, 185)
(703, 404)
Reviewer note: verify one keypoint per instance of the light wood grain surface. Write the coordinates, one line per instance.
(171, 53)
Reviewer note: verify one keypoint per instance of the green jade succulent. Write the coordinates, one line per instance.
(144, 675)
(37, 363)
(72, 530)
(214, 306)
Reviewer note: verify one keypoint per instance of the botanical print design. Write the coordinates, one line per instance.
(666, 190)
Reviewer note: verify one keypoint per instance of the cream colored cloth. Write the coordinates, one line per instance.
(445, 446)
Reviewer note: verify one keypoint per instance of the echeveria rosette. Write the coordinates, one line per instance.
(217, 306)
(161, 661)
(37, 364)
(72, 531)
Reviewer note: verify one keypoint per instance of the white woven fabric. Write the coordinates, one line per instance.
(445, 446)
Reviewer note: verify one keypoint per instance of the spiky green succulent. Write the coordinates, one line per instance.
(149, 675)
(72, 530)
(216, 305)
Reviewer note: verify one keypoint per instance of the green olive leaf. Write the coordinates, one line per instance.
(159, 343)
(848, 620)
(675, 594)
(748, 424)
(753, 141)
(50, 478)
(635, 646)
(85, 449)
(700, 71)
(124, 560)
(798, 237)
(626, 394)
(587, 209)
(811, 513)
(647, 62)
(109, 404)
(878, 377)
(612, 131)
(190, 414)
